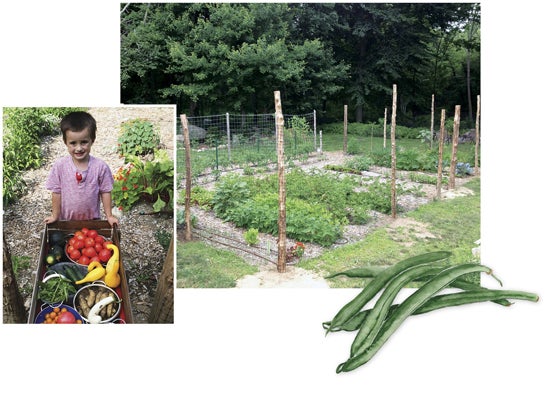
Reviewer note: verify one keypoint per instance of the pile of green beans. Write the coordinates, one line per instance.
(433, 274)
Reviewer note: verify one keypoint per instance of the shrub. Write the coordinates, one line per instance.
(138, 137)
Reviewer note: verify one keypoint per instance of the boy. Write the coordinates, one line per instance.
(80, 182)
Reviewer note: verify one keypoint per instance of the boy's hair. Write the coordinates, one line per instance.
(77, 121)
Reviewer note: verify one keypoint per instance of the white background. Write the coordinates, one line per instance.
(267, 346)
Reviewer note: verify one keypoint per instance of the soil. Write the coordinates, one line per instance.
(142, 230)
(224, 235)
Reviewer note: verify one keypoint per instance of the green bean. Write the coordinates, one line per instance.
(448, 300)
(359, 272)
(372, 323)
(471, 297)
(408, 307)
(377, 283)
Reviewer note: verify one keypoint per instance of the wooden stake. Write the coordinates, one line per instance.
(187, 146)
(440, 156)
(456, 130)
(432, 123)
(281, 243)
(345, 148)
(385, 121)
(476, 165)
(393, 155)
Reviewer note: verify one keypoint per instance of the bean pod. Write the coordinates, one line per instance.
(408, 307)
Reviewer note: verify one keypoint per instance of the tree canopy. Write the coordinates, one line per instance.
(211, 58)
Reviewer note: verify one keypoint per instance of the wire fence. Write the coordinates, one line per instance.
(228, 140)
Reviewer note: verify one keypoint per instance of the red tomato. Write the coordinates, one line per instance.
(70, 248)
(79, 244)
(72, 241)
(78, 233)
(89, 242)
(85, 231)
(75, 254)
(84, 260)
(80, 237)
(89, 252)
(65, 317)
(107, 242)
(104, 255)
(94, 259)
(99, 239)
(92, 233)
(98, 247)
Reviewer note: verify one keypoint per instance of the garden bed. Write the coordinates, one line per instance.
(420, 194)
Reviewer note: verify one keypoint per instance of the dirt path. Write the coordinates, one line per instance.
(294, 277)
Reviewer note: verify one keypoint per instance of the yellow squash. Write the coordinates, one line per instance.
(112, 278)
(94, 274)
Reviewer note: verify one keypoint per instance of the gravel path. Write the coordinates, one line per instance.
(141, 253)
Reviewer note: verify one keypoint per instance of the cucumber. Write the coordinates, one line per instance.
(71, 273)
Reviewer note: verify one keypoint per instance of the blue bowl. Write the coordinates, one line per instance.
(41, 317)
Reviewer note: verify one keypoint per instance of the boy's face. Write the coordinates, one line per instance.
(79, 144)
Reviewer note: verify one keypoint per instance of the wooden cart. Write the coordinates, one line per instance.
(70, 227)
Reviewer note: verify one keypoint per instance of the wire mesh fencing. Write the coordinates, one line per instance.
(219, 142)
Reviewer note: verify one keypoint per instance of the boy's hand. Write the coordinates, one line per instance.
(50, 219)
(112, 220)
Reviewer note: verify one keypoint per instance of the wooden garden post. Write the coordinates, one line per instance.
(393, 156)
(187, 146)
(345, 148)
(432, 123)
(476, 165)
(456, 130)
(280, 124)
(163, 304)
(385, 124)
(440, 156)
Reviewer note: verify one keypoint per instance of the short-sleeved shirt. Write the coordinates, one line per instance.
(80, 200)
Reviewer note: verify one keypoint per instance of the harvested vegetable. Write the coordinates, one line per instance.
(56, 289)
(93, 275)
(94, 314)
(112, 278)
(375, 325)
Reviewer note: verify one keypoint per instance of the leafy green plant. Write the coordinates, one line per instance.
(180, 218)
(20, 263)
(152, 180)
(23, 131)
(360, 163)
(138, 137)
(426, 178)
(163, 237)
(251, 236)
(463, 169)
(201, 197)
(231, 191)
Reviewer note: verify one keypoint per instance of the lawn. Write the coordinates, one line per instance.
(201, 266)
(454, 222)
